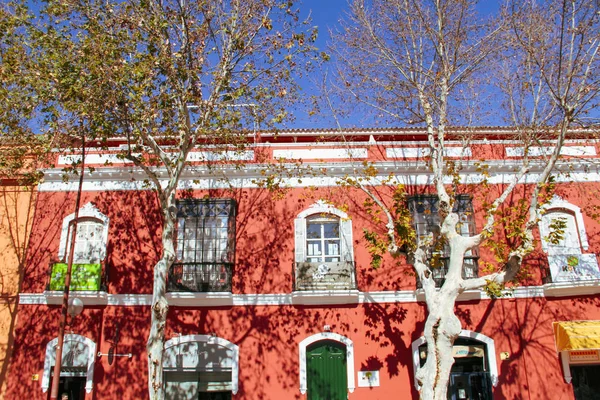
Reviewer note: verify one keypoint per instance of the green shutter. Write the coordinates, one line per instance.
(327, 376)
(83, 276)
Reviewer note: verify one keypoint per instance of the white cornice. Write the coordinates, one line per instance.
(227, 176)
(317, 297)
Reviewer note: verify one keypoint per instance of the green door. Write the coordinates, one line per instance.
(326, 371)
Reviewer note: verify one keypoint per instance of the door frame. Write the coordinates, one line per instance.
(327, 336)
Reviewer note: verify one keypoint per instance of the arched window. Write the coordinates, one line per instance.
(91, 238)
(324, 255)
(78, 358)
(199, 364)
(90, 250)
(564, 239)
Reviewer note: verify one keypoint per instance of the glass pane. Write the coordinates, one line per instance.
(332, 230)
(314, 248)
(332, 248)
(313, 230)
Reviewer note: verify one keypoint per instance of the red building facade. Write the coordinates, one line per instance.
(273, 295)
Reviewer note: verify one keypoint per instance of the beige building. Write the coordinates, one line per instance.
(16, 214)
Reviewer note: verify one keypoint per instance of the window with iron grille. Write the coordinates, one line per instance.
(205, 243)
(426, 220)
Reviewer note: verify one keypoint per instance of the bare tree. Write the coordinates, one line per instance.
(414, 62)
(166, 77)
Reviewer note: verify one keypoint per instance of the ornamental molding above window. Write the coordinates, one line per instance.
(88, 211)
(78, 351)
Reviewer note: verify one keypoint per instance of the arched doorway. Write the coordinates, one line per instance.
(326, 366)
(326, 370)
(475, 370)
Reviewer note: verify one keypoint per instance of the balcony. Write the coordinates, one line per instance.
(572, 268)
(324, 276)
(200, 277)
(470, 270)
(84, 277)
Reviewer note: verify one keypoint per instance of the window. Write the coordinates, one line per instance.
(567, 257)
(426, 220)
(205, 245)
(323, 239)
(324, 256)
(91, 237)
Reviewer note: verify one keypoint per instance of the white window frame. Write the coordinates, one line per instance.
(558, 204)
(88, 211)
(487, 341)
(51, 358)
(327, 336)
(322, 207)
(213, 340)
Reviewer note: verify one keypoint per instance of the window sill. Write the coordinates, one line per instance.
(325, 297)
(468, 295)
(89, 297)
(573, 288)
(200, 299)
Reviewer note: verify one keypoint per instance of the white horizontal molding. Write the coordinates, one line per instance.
(419, 152)
(546, 151)
(317, 297)
(194, 156)
(320, 154)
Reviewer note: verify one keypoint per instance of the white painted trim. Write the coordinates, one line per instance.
(89, 210)
(322, 207)
(327, 336)
(489, 343)
(194, 156)
(320, 154)
(557, 204)
(178, 340)
(564, 360)
(51, 348)
(561, 289)
(407, 173)
(422, 152)
(325, 297)
(204, 299)
(536, 151)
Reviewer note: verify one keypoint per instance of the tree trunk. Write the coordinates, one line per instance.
(160, 305)
(442, 327)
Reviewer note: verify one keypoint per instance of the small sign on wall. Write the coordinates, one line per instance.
(368, 378)
(583, 356)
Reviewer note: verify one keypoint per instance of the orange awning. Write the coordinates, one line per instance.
(576, 335)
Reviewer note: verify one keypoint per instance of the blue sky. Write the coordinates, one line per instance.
(325, 14)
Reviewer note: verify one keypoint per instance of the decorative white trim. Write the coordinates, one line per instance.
(204, 299)
(557, 204)
(574, 288)
(536, 151)
(489, 343)
(89, 298)
(411, 172)
(327, 336)
(422, 152)
(322, 207)
(194, 156)
(89, 210)
(325, 297)
(320, 154)
(467, 295)
(214, 340)
(91, 358)
(561, 289)
(564, 360)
